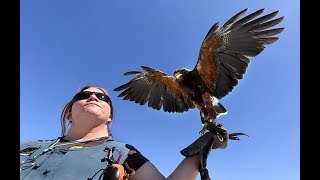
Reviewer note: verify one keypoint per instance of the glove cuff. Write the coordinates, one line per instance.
(201, 144)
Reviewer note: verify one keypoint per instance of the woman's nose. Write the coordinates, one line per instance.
(93, 97)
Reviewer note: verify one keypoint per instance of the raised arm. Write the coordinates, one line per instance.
(187, 169)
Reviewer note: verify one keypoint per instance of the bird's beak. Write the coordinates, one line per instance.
(177, 75)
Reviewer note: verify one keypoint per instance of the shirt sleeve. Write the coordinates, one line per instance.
(135, 159)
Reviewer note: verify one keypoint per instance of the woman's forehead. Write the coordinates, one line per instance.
(93, 89)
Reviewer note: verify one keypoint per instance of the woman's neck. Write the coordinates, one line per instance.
(83, 135)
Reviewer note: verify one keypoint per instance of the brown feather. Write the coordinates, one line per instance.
(158, 89)
(206, 66)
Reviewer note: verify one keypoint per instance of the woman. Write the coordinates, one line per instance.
(87, 148)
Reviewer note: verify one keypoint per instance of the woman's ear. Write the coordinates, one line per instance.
(109, 121)
(69, 116)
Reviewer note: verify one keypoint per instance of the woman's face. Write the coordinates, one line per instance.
(91, 109)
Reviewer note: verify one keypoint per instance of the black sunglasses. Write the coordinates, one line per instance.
(87, 94)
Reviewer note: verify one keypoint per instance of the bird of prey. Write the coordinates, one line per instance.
(223, 60)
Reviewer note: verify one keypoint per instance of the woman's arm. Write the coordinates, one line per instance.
(147, 172)
(187, 169)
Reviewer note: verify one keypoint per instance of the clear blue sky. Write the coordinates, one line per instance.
(65, 45)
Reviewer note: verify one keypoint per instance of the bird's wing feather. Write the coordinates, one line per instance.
(157, 88)
(225, 52)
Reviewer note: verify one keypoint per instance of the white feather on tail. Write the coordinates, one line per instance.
(220, 110)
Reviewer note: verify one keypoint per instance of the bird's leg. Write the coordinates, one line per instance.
(204, 120)
(207, 122)
(204, 128)
(208, 114)
(207, 125)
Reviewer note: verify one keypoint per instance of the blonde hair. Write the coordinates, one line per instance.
(67, 109)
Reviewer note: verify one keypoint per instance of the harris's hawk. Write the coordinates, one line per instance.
(223, 60)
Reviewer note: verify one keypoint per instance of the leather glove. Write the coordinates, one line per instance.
(220, 138)
(217, 133)
(216, 138)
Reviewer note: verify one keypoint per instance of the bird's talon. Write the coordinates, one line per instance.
(204, 128)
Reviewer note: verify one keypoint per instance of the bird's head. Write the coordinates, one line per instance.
(179, 72)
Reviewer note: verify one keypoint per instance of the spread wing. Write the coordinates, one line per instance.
(157, 88)
(225, 52)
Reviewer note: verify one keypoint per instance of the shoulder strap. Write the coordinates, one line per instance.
(116, 152)
(29, 152)
(40, 147)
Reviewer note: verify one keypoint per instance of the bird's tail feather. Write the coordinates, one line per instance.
(220, 110)
(218, 107)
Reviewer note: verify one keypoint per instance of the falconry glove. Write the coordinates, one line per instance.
(215, 138)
